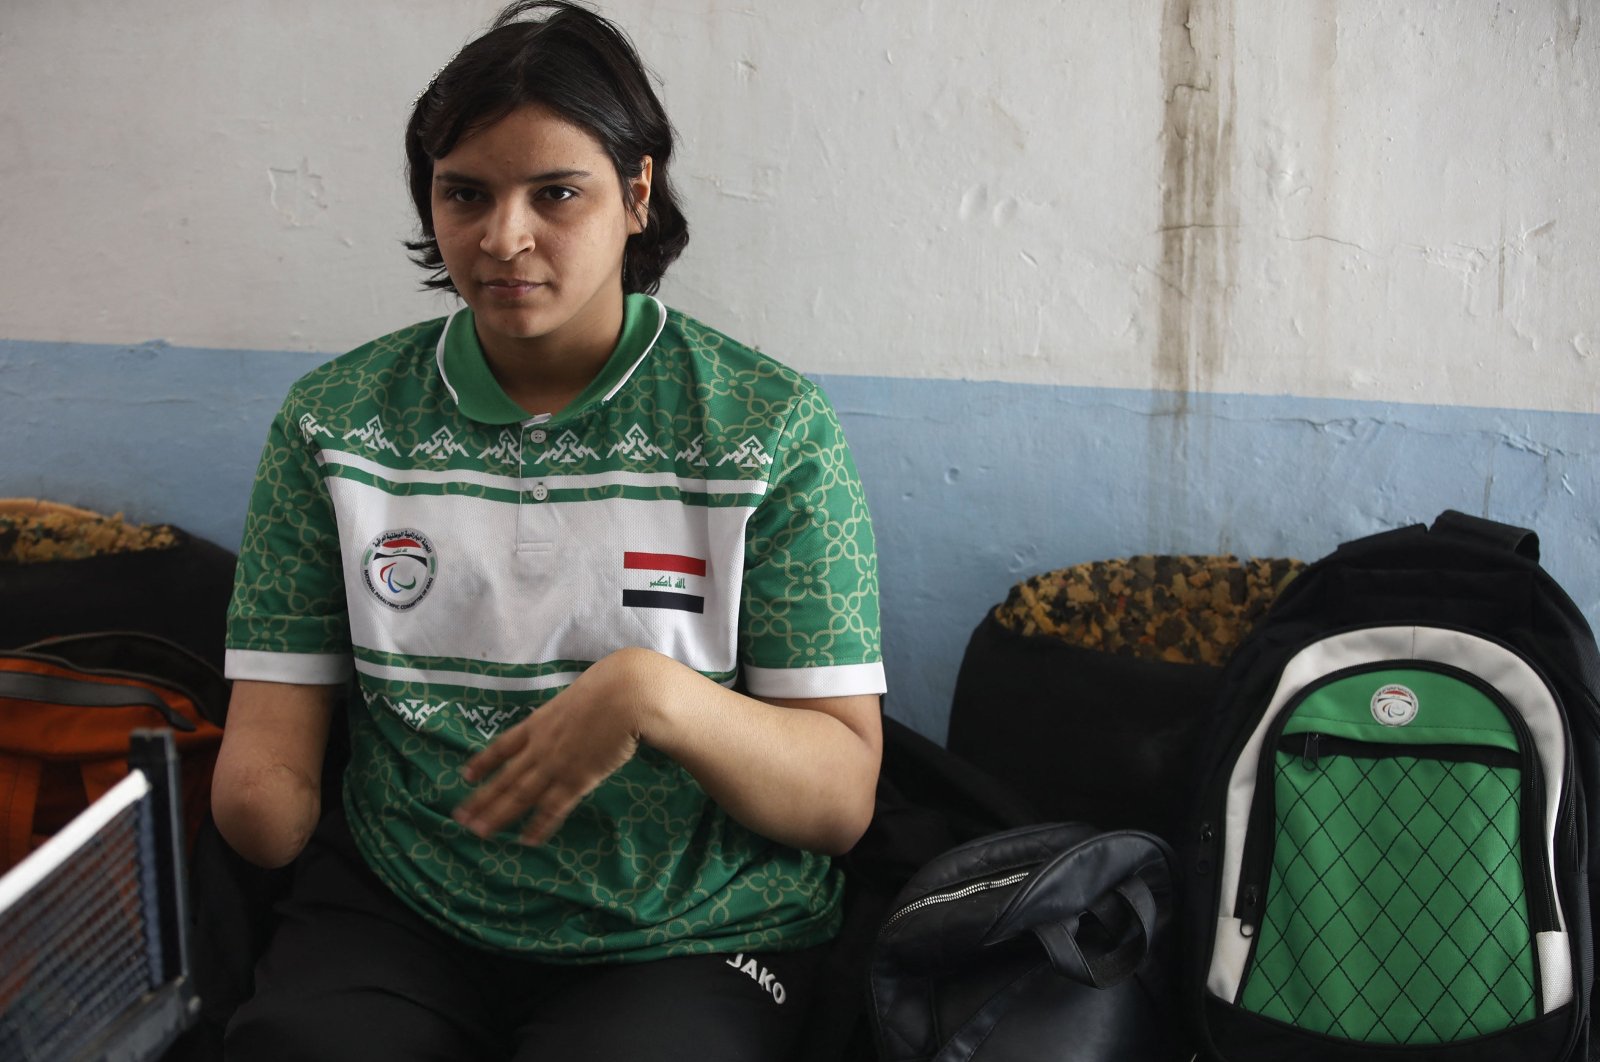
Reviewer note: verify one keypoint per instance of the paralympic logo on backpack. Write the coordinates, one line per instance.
(1394, 705)
(399, 567)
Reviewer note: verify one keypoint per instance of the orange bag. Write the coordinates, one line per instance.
(64, 730)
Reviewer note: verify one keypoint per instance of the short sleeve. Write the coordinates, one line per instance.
(288, 620)
(809, 614)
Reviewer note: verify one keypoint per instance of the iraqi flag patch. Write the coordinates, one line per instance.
(663, 580)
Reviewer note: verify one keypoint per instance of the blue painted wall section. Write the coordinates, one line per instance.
(973, 486)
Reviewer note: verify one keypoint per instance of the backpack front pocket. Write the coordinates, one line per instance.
(1393, 879)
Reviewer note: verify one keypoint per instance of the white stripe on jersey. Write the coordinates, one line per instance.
(462, 678)
(838, 680)
(553, 481)
(309, 669)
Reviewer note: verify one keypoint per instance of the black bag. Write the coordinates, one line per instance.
(179, 593)
(928, 800)
(1046, 942)
(1393, 853)
(1089, 686)
(1088, 736)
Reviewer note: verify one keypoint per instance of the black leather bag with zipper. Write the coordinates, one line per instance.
(1045, 942)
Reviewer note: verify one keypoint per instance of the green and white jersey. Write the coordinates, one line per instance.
(410, 520)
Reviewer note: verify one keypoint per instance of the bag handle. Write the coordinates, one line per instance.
(1066, 957)
(54, 689)
(1469, 528)
(1116, 964)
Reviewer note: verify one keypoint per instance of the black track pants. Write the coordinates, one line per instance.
(352, 974)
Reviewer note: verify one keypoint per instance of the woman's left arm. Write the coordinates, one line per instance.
(800, 771)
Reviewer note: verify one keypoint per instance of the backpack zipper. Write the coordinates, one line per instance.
(958, 893)
(1317, 745)
(1255, 861)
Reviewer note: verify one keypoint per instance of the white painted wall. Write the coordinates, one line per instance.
(1346, 199)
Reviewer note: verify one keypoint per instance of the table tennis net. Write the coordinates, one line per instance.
(86, 936)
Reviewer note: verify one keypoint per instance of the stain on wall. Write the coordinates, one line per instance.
(1199, 241)
(1199, 212)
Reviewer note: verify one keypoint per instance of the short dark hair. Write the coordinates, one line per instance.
(584, 68)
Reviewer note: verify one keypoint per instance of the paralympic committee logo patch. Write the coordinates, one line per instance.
(399, 567)
(1394, 705)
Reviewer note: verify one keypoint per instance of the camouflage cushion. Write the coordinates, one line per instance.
(33, 531)
(1179, 609)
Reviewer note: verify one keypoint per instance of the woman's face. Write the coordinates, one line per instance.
(529, 216)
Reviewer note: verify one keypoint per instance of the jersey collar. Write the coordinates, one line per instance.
(478, 395)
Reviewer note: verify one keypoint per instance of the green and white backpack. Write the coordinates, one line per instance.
(1391, 855)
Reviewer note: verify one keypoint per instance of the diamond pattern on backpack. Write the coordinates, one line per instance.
(1431, 942)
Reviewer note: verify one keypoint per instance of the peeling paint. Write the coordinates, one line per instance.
(1569, 16)
(974, 201)
(1326, 239)
(297, 194)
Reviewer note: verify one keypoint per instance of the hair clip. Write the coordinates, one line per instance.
(431, 82)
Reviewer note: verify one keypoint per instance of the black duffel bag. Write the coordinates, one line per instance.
(1048, 942)
(1089, 687)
